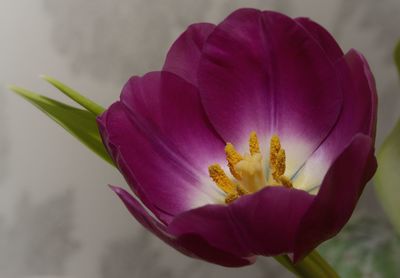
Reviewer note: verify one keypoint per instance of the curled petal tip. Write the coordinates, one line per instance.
(116, 189)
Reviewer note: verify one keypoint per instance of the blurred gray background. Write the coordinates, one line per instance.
(57, 216)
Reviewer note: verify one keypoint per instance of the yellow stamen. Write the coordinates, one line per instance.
(274, 147)
(232, 190)
(253, 143)
(277, 162)
(248, 170)
(230, 198)
(221, 179)
(241, 191)
(286, 182)
(278, 169)
(233, 158)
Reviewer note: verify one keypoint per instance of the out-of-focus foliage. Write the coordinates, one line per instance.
(80, 123)
(366, 247)
(397, 56)
(387, 178)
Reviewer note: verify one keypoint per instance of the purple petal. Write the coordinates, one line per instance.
(190, 245)
(110, 123)
(142, 216)
(169, 108)
(358, 116)
(262, 71)
(360, 98)
(162, 143)
(322, 37)
(184, 55)
(263, 223)
(338, 196)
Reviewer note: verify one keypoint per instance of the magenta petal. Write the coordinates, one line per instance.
(200, 248)
(323, 38)
(189, 245)
(360, 100)
(168, 109)
(263, 223)
(184, 55)
(358, 116)
(263, 72)
(338, 196)
(161, 174)
(110, 123)
(141, 215)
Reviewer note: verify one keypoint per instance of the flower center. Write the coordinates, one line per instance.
(248, 170)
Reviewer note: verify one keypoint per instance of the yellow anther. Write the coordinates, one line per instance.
(274, 147)
(241, 191)
(233, 158)
(277, 162)
(286, 182)
(221, 179)
(231, 197)
(253, 143)
(232, 190)
(280, 165)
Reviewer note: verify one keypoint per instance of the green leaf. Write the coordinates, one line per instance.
(366, 247)
(80, 123)
(75, 96)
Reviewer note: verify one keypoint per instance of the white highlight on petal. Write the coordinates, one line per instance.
(297, 151)
(310, 177)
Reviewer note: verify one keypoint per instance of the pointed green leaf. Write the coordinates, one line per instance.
(75, 96)
(80, 123)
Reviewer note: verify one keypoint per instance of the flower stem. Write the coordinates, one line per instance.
(287, 263)
(311, 266)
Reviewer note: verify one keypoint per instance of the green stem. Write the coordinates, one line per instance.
(311, 266)
(318, 259)
(285, 261)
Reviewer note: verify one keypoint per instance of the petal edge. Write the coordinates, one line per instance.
(338, 196)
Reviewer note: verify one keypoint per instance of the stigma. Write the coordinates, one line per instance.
(248, 171)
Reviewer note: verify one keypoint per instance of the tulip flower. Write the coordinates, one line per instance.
(256, 139)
